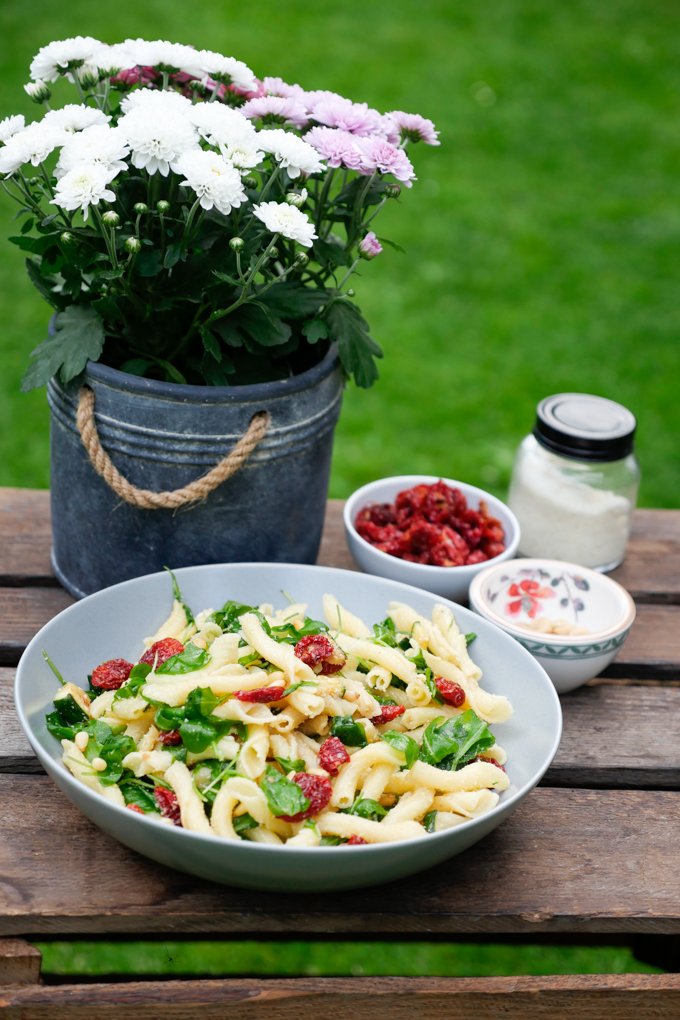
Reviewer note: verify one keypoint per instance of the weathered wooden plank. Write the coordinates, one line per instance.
(334, 551)
(16, 754)
(25, 537)
(23, 611)
(564, 997)
(619, 736)
(566, 861)
(19, 963)
(651, 569)
(652, 648)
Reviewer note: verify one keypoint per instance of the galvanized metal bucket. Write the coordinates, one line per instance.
(161, 436)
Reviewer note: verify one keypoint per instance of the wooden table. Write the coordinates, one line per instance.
(591, 855)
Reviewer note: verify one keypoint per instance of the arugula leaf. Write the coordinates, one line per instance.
(228, 617)
(168, 718)
(139, 795)
(191, 659)
(469, 638)
(364, 807)
(429, 821)
(454, 742)
(348, 731)
(403, 743)
(80, 337)
(242, 823)
(385, 633)
(133, 684)
(332, 840)
(112, 750)
(356, 347)
(248, 660)
(59, 727)
(381, 698)
(180, 598)
(288, 765)
(435, 693)
(283, 796)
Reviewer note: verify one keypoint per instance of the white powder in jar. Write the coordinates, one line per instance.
(564, 519)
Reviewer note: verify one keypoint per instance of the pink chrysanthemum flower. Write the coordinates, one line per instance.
(278, 87)
(357, 118)
(276, 110)
(411, 127)
(311, 99)
(386, 159)
(370, 246)
(338, 147)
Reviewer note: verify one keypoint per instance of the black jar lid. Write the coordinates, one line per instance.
(585, 427)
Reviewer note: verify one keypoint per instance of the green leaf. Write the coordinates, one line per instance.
(226, 328)
(392, 244)
(107, 307)
(200, 703)
(429, 821)
(291, 301)
(80, 338)
(173, 253)
(136, 366)
(168, 718)
(288, 765)
(140, 795)
(435, 693)
(217, 373)
(315, 329)
(242, 823)
(173, 372)
(210, 342)
(454, 742)
(44, 284)
(332, 840)
(348, 731)
(59, 727)
(226, 278)
(364, 807)
(148, 263)
(329, 253)
(403, 743)
(190, 659)
(283, 796)
(197, 734)
(28, 225)
(469, 638)
(262, 327)
(356, 347)
(136, 680)
(228, 616)
(177, 594)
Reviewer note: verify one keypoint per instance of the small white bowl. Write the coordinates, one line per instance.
(528, 589)
(449, 582)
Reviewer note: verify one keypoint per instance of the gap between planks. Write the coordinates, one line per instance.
(563, 997)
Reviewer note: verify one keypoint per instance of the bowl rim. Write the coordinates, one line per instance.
(480, 604)
(264, 849)
(348, 513)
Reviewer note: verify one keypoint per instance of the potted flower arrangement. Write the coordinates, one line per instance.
(195, 230)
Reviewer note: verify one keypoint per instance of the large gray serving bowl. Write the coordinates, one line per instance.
(112, 624)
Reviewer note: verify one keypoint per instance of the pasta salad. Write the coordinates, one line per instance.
(250, 723)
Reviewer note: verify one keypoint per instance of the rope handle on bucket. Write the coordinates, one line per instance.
(144, 498)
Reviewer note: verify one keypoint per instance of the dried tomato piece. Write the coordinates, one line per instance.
(356, 841)
(164, 649)
(332, 755)
(389, 712)
(112, 674)
(317, 790)
(491, 761)
(380, 514)
(451, 692)
(319, 652)
(168, 804)
(134, 807)
(170, 737)
(477, 556)
(261, 695)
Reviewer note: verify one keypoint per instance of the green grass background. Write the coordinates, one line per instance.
(543, 241)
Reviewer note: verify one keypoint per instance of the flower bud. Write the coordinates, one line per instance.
(162, 206)
(133, 245)
(297, 199)
(393, 191)
(273, 253)
(370, 246)
(88, 76)
(140, 208)
(67, 238)
(301, 259)
(250, 183)
(198, 87)
(350, 292)
(38, 91)
(111, 218)
(237, 244)
(35, 181)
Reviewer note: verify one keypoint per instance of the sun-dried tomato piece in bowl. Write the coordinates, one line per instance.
(111, 674)
(319, 652)
(317, 790)
(161, 651)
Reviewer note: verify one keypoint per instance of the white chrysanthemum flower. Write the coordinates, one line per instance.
(30, 146)
(216, 182)
(290, 152)
(159, 53)
(157, 138)
(206, 63)
(244, 156)
(11, 126)
(156, 100)
(61, 56)
(82, 187)
(97, 144)
(229, 131)
(113, 59)
(286, 220)
(74, 117)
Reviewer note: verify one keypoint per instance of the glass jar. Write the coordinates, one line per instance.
(575, 481)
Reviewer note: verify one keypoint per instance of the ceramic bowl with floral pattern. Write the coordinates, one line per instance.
(572, 619)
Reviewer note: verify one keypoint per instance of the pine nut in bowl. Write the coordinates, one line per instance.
(572, 619)
(471, 555)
